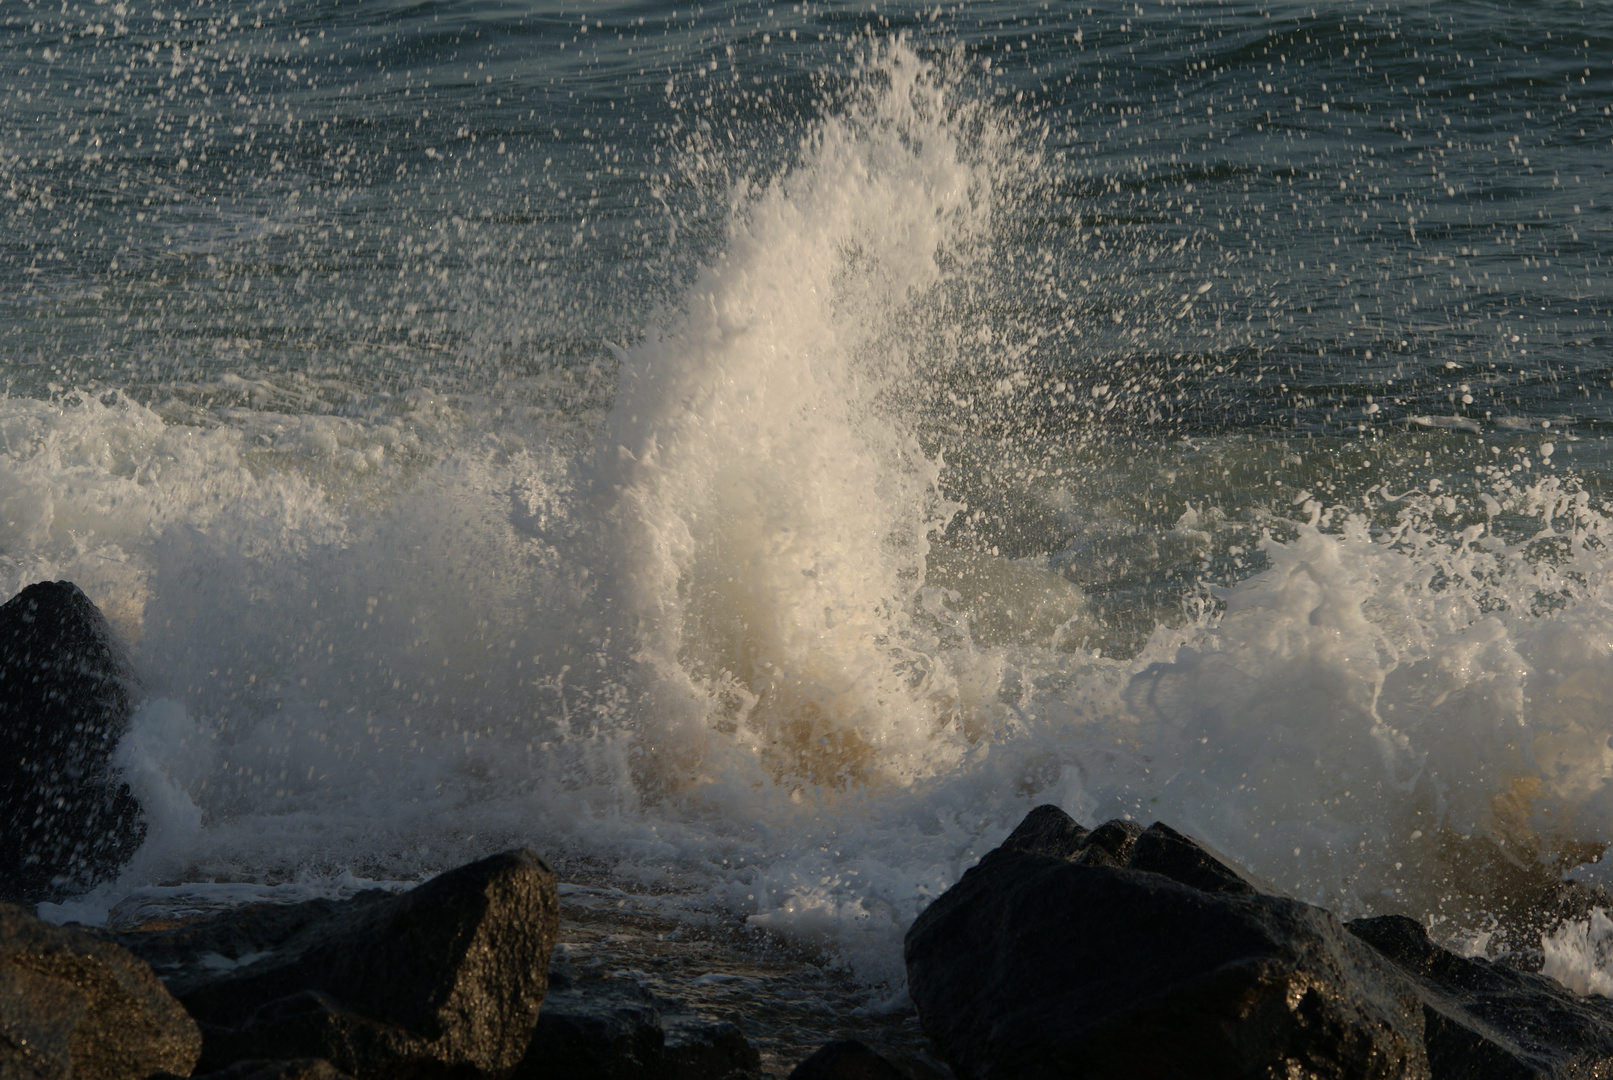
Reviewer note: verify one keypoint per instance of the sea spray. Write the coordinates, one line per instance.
(773, 505)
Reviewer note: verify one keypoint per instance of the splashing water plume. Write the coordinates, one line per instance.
(773, 504)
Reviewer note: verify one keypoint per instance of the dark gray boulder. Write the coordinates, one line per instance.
(1121, 951)
(73, 1007)
(1489, 1021)
(442, 981)
(66, 820)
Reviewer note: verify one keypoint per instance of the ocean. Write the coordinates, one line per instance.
(758, 451)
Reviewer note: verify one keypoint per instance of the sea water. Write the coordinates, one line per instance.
(762, 450)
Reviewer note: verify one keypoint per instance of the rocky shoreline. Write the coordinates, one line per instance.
(1117, 951)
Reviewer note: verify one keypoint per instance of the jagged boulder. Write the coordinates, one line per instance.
(73, 1007)
(442, 981)
(1121, 951)
(1488, 1021)
(66, 820)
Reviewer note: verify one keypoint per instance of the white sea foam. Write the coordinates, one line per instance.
(725, 642)
(772, 512)
(1579, 954)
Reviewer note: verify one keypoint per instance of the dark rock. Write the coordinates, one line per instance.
(1486, 1020)
(442, 981)
(1128, 952)
(595, 1029)
(73, 1007)
(66, 820)
(614, 1029)
(702, 1049)
(846, 1059)
(1047, 830)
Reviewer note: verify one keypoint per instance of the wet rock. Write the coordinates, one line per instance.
(1488, 1021)
(73, 1007)
(595, 1029)
(442, 981)
(1121, 951)
(614, 1029)
(846, 1059)
(66, 820)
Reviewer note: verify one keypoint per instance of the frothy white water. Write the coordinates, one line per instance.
(1371, 697)
(1579, 954)
(726, 648)
(772, 506)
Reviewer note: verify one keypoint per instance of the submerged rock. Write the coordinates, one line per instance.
(614, 1029)
(442, 981)
(1488, 1021)
(73, 1007)
(66, 820)
(1128, 952)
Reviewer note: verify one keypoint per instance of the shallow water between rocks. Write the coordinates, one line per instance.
(787, 1000)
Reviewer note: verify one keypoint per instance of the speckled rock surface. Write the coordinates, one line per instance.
(1488, 1021)
(73, 1007)
(442, 981)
